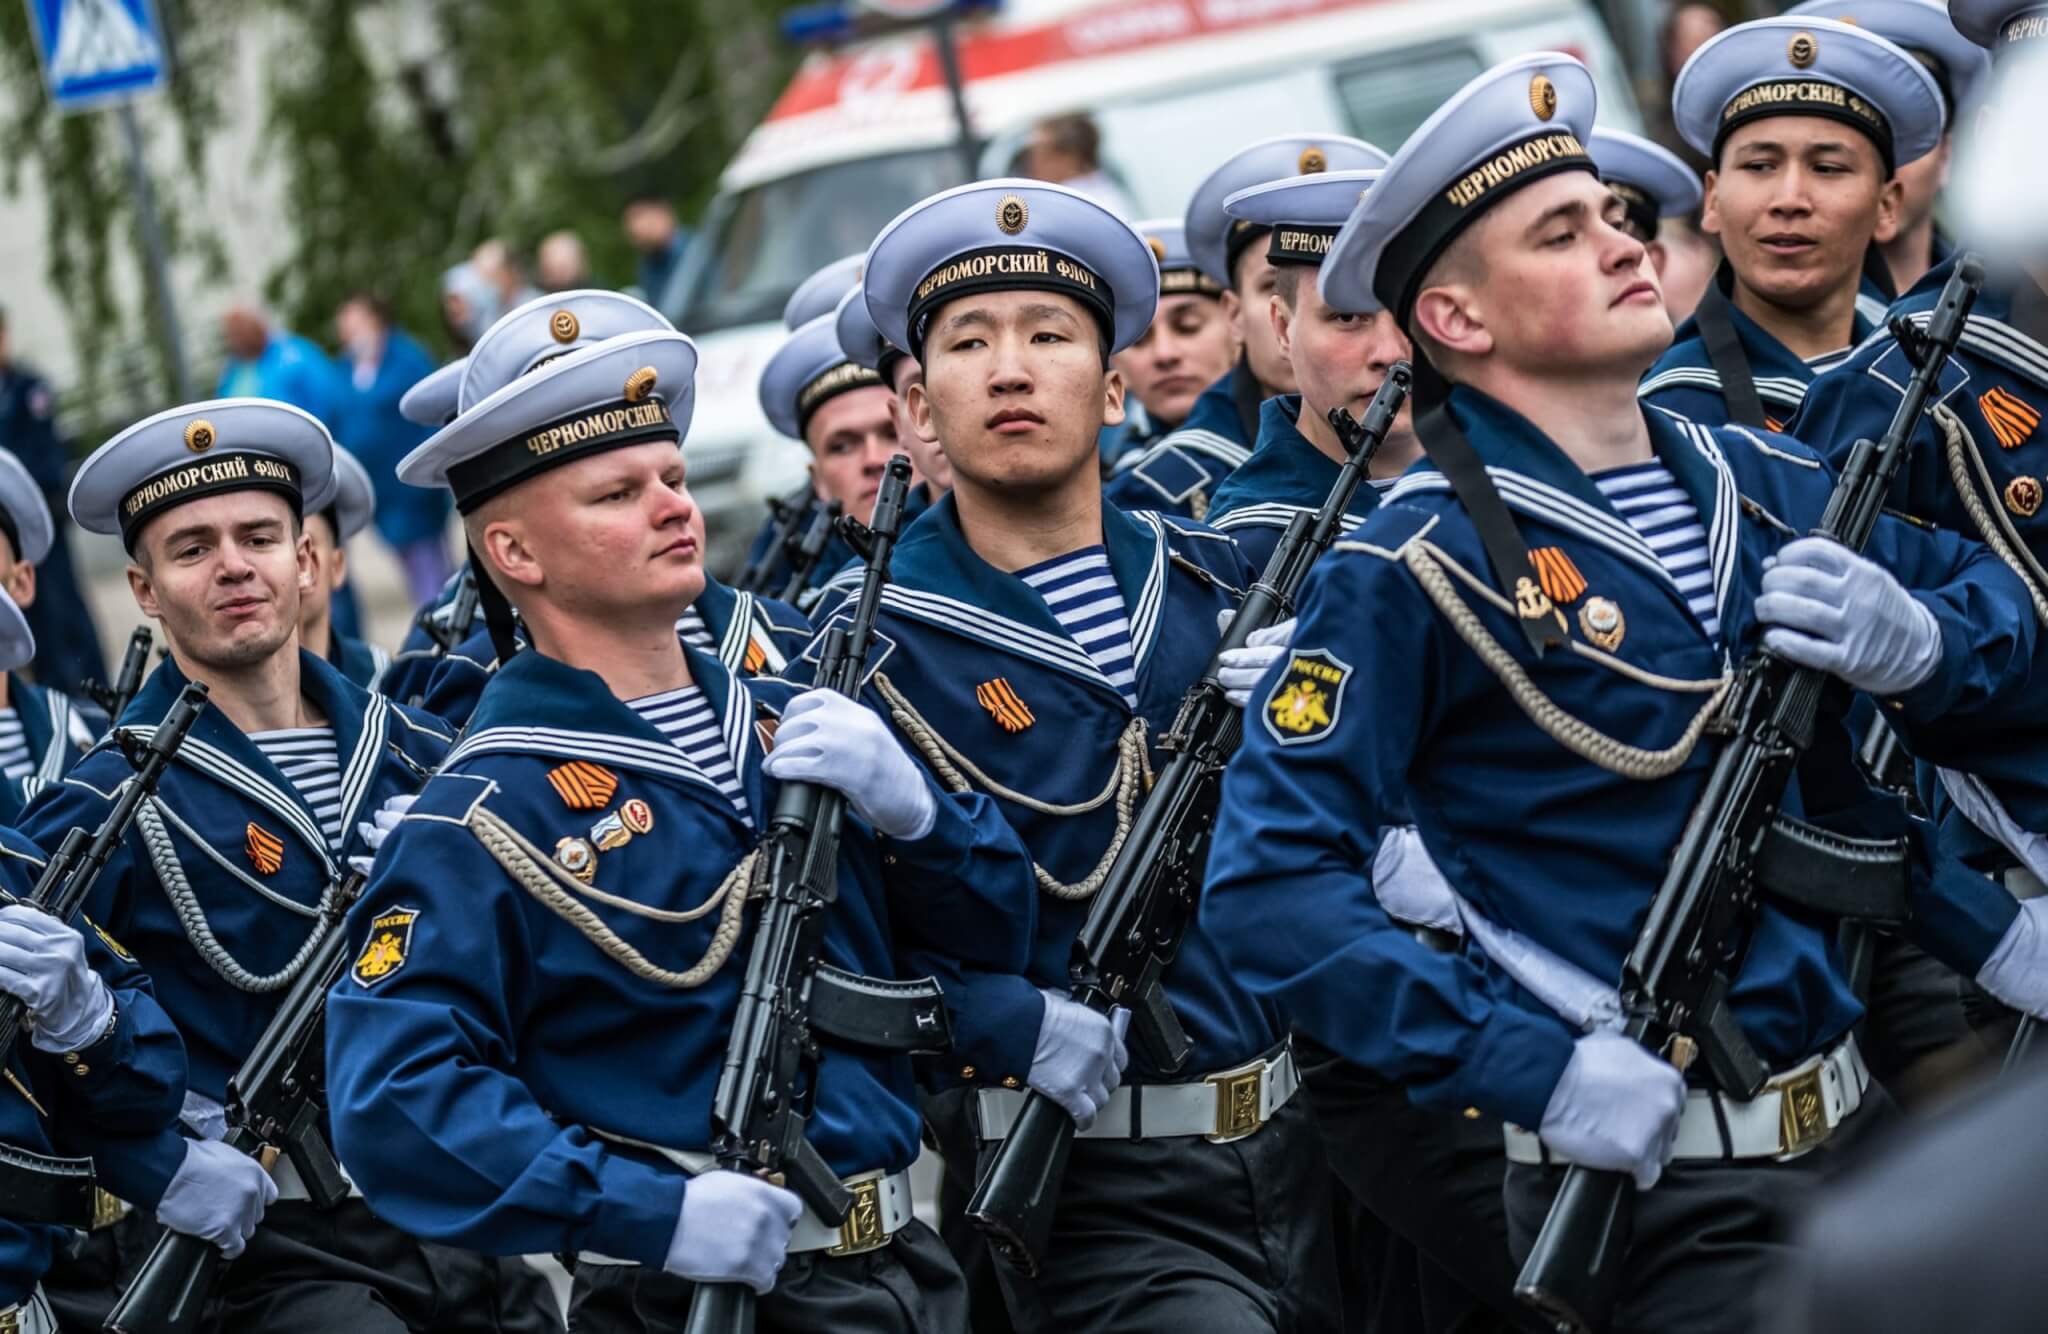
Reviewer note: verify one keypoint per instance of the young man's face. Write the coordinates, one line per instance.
(1920, 185)
(329, 570)
(927, 459)
(224, 574)
(17, 576)
(608, 538)
(1796, 200)
(1339, 359)
(1245, 304)
(1189, 346)
(852, 437)
(1015, 390)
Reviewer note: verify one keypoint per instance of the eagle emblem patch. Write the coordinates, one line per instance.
(1305, 702)
(384, 953)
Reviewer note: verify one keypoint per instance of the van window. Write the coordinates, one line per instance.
(1386, 97)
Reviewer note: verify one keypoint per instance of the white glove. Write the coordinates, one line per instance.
(2017, 971)
(42, 964)
(1243, 668)
(734, 1229)
(1831, 609)
(1080, 1057)
(218, 1195)
(379, 826)
(829, 739)
(1616, 1109)
(1408, 885)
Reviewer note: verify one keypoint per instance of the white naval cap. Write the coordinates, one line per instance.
(559, 379)
(24, 514)
(1304, 213)
(1923, 30)
(1517, 123)
(1651, 181)
(202, 449)
(1808, 67)
(432, 401)
(1179, 275)
(1214, 239)
(820, 293)
(1010, 234)
(2000, 25)
(355, 500)
(859, 339)
(17, 641)
(809, 370)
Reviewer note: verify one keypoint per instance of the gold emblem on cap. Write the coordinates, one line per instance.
(1542, 97)
(640, 384)
(1312, 160)
(1158, 248)
(1802, 50)
(563, 325)
(1011, 214)
(199, 436)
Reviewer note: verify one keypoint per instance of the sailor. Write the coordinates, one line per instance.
(328, 532)
(431, 402)
(43, 731)
(1039, 643)
(549, 958)
(1339, 360)
(1539, 688)
(1806, 121)
(1657, 186)
(218, 889)
(1180, 473)
(1190, 345)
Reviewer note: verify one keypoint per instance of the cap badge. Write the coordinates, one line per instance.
(199, 436)
(563, 326)
(1603, 623)
(1802, 51)
(1542, 97)
(640, 384)
(1312, 160)
(1011, 215)
(1158, 248)
(2023, 496)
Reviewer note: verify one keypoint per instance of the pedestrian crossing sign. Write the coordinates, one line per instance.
(98, 51)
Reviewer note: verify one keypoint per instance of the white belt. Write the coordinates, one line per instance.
(2023, 884)
(1795, 1112)
(881, 1208)
(30, 1317)
(1225, 1106)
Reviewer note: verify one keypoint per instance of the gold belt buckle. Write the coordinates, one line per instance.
(1238, 1103)
(1802, 1113)
(863, 1229)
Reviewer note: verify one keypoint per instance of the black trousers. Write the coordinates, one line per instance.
(312, 1272)
(1710, 1236)
(950, 1118)
(1182, 1235)
(1424, 1238)
(910, 1286)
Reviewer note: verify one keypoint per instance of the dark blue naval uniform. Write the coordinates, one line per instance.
(405, 679)
(67, 645)
(1381, 702)
(755, 635)
(1286, 475)
(475, 1069)
(129, 1082)
(1180, 474)
(59, 730)
(362, 663)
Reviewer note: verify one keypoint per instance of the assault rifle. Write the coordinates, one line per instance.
(786, 512)
(1676, 978)
(275, 1103)
(1136, 921)
(114, 699)
(789, 999)
(805, 555)
(35, 1188)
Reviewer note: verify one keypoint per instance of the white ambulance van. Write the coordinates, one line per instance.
(864, 130)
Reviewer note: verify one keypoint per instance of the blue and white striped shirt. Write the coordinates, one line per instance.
(308, 756)
(685, 717)
(1649, 497)
(1082, 595)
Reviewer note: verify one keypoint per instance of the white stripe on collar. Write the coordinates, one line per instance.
(1199, 441)
(2001, 342)
(1144, 617)
(51, 767)
(1274, 514)
(231, 773)
(551, 743)
(1548, 503)
(360, 774)
(999, 632)
(1782, 389)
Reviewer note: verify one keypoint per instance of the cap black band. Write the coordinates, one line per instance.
(238, 471)
(1639, 207)
(1007, 268)
(1406, 260)
(1187, 282)
(582, 433)
(1806, 97)
(1238, 240)
(1301, 243)
(2030, 25)
(835, 380)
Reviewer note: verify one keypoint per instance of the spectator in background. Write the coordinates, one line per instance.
(469, 305)
(498, 266)
(1687, 26)
(1690, 258)
(561, 262)
(650, 224)
(67, 644)
(266, 362)
(1067, 150)
(380, 363)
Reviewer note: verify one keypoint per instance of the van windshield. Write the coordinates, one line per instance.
(766, 239)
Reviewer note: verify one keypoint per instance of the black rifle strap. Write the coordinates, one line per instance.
(1246, 395)
(1879, 271)
(1716, 321)
(497, 611)
(1461, 465)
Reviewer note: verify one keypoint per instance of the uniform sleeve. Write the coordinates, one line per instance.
(966, 888)
(1295, 915)
(453, 687)
(995, 1019)
(131, 1081)
(81, 801)
(443, 1139)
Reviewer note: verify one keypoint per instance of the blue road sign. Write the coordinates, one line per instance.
(98, 51)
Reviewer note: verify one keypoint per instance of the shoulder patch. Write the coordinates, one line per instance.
(120, 950)
(1306, 701)
(1893, 369)
(583, 786)
(384, 953)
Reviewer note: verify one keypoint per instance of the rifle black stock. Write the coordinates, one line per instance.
(276, 1102)
(768, 1082)
(134, 663)
(449, 631)
(1675, 981)
(1136, 920)
(785, 513)
(804, 559)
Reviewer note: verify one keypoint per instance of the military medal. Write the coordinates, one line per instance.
(637, 816)
(577, 857)
(2023, 496)
(1603, 623)
(610, 832)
